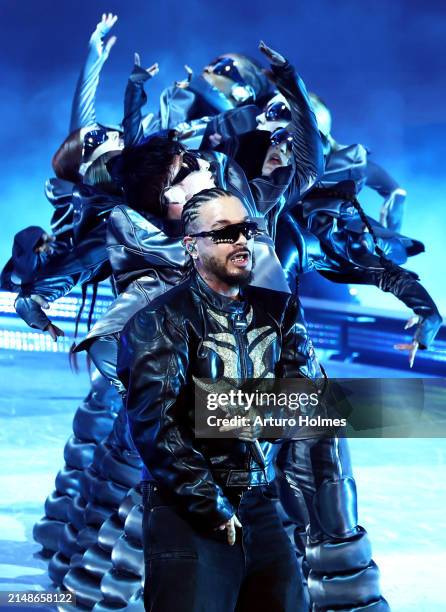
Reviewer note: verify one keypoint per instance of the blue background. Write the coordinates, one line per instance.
(380, 66)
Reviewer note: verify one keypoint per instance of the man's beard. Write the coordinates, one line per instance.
(241, 279)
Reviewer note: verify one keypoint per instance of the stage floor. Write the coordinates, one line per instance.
(401, 483)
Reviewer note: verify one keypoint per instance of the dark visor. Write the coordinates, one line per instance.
(230, 233)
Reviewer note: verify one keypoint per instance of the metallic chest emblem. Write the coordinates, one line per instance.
(225, 346)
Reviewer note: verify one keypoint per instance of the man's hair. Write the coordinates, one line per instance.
(191, 209)
(143, 171)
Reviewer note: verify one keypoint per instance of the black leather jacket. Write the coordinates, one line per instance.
(79, 255)
(190, 333)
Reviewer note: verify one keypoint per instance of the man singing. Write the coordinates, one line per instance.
(198, 493)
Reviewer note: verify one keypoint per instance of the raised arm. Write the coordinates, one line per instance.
(308, 158)
(152, 365)
(286, 185)
(135, 98)
(83, 111)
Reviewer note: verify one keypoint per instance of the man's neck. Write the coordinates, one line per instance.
(217, 285)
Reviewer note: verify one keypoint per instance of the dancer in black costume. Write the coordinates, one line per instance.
(374, 175)
(140, 250)
(229, 81)
(47, 265)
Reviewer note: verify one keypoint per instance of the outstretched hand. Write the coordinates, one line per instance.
(411, 347)
(274, 57)
(106, 23)
(151, 70)
(101, 31)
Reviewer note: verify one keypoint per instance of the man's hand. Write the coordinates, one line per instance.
(274, 57)
(152, 70)
(413, 346)
(230, 529)
(40, 300)
(101, 31)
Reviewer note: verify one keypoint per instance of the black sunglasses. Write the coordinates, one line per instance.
(280, 136)
(277, 112)
(231, 233)
(226, 67)
(92, 140)
(189, 164)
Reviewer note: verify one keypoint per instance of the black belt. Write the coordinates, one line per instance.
(244, 478)
(240, 479)
(156, 495)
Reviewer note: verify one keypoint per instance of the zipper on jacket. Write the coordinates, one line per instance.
(240, 325)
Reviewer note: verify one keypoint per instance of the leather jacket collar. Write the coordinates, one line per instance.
(217, 301)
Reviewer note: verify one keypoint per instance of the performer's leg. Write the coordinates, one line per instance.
(299, 251)
(92, 422)
(273, 577)
(185, 569)
(342, 574)
(114, 471)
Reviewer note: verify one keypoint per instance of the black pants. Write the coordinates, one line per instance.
(189, 570)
